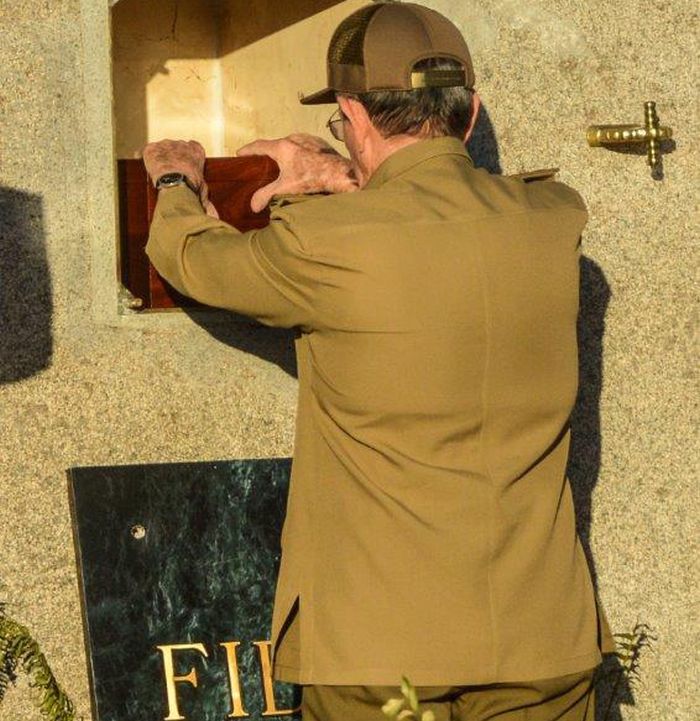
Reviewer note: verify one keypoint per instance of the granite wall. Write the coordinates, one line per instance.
(82, 383)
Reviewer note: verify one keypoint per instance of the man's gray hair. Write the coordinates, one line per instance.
(423, 112)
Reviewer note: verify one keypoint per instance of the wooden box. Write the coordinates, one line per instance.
(232, 182)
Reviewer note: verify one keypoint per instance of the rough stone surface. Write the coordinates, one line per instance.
(82, 385)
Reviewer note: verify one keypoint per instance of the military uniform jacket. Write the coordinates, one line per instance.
(430, 528)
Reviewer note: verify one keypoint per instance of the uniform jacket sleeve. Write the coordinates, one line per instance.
(266, 274)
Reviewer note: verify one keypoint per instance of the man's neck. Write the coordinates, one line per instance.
(383, 148)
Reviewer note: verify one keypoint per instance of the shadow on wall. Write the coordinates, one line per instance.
(274, 345)
(25, 287)
(584, 458)
(483, 146)
(583, 470)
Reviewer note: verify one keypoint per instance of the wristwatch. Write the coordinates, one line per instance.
(170, 180)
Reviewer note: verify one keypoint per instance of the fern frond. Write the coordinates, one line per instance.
(8, 663)
(18, 650)
(628, 652)
(629, 649)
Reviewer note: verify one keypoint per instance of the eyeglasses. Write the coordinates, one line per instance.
(336, 125)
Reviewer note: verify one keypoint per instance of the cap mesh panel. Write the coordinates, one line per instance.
(346, 44)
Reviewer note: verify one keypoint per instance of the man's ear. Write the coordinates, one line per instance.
(349, 106)
(357, 114)
(476, 105)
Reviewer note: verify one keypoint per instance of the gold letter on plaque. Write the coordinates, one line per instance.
(171, 679)
(237, 710)
(268, 687)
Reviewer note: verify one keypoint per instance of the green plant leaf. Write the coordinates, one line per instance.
(409, 693)
(392, 707)
(18, 650)
(413, 700)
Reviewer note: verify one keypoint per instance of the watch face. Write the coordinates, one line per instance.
(170, 179)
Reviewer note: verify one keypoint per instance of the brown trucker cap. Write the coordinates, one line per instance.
(377, 47)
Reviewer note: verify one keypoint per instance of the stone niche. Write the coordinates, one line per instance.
(223, 72)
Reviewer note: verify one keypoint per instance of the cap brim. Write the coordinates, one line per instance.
(322, 97)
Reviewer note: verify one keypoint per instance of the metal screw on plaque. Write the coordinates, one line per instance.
(138, 532)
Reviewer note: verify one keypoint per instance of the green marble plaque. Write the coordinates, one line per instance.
(178, 564)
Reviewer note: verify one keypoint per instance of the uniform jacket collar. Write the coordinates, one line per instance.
(412, 155)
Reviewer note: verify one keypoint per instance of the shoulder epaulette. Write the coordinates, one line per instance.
(534, 175)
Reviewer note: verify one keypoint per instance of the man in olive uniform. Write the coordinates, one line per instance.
(430, 529)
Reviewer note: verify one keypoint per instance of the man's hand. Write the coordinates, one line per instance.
(179, 156)
(307, 165)
(175, 156)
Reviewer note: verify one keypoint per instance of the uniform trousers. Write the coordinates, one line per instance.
(566, 698)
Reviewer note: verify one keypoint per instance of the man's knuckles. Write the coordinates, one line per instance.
(288, 147)
(177, 147)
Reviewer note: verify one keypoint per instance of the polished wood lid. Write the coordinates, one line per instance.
(231, 181)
